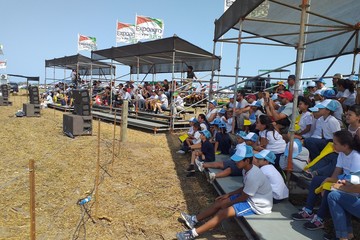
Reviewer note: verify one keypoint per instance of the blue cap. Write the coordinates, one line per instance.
(206, 133)
(297, 148)
(241, 153)
(267, 155)
(193, 119)
(328, 93)
(222, 111)
(256, 104)
(314, 109)
(328, 104)
(222, 125)
(241, 134)
(216, 121)
(319, 80)
(213, 102)
(251, 137)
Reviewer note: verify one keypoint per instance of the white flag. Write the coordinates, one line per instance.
(2, 64)
(125, 33)
(1, 49)
(148, 28)
(86, 43)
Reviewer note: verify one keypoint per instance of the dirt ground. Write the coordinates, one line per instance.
(142, 186)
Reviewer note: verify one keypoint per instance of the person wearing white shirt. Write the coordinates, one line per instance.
(179, 103)
(327, 123)
(264, 160)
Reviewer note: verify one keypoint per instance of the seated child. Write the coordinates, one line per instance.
(206, 153)
(265, 160)
(228, 166)
(255, 197)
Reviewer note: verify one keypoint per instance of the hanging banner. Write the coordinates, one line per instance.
(148, 28)
(1, 49)
(227, 4)
(125, 32)
(86, 43)
(2, 64)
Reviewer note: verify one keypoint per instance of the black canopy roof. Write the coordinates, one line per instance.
(332, 28)
(158, 56)
(82, 63)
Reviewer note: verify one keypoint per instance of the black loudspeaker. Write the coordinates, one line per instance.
(5, 90)
(81, 102)
(34, 95)
(31, 110)
(77, 125)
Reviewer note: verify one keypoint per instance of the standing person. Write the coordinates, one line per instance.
(190, 76)
(242, 110)
(335, 79)
(348, 162)
(74, 78)
(255, 197)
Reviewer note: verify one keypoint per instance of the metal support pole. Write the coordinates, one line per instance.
(97, 180)
(299, 58)
(237, 75)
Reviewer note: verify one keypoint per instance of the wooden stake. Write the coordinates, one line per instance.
(113, 150)
(32, 199)
(97, 173)
(124, 120)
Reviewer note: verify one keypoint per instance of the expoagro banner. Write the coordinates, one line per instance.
(2, 64)
(148, 28)
(125, 32)
(1, 49)
(86, 43)
(227, 4)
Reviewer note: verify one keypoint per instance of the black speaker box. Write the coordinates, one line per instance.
(81, 102)
(34, 95)
(31, 110)
(5, 90)
(77, 125)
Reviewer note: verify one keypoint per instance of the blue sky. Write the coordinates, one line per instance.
(36, 30)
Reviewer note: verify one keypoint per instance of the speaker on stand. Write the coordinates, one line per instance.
(80, 122)
(4, 98)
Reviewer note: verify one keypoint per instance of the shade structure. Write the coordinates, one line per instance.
(165, 55)
(85, 66)
(330, 23)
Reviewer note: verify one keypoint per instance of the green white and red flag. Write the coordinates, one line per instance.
(3, 64)
(148, 28)
(86, 43)
(125, 32)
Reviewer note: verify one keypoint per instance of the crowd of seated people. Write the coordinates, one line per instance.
(326, 150)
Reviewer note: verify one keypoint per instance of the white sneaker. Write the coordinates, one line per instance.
(181, 152)
(199, 164)
(210, 176)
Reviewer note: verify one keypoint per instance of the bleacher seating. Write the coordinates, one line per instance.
(276, 225)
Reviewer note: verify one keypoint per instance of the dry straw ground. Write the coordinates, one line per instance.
(140, 196)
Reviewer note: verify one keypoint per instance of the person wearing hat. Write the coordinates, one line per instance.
(320, 84)
(265, 160)
(282, 116)
(255, 197)
(222, 140)
(311, 89)
(206, 152)
(335, 79)
(231, 104)
(228, 167)
(327, 124)
(256, 109)
(300, 157)
(212, 111)
(251, 139)
(330, 94)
